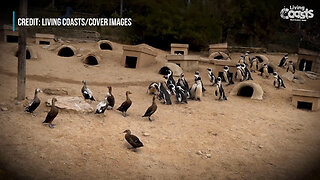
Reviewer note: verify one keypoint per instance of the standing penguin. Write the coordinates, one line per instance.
(264, 71)
(254, 64)
(125, 105)
(34, 103)
(86, 92)
(211, 76)
(181, 95)
(182, 82)
(153, 88)
(164, 94)
(241, 60)
(291, 67)
(196, 89)
(246, 71)
(170, 84)
(278, 82)
(51, 114)
(152, 109)
(247, 58)
(219, 92)
(170, 77)
(239, 73)
(227, 75)
(196, 76)
(283, 60)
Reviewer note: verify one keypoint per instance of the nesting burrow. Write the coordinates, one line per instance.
(91, 59)
(105, 45)
(219, 56)
(176, 70)
(248, 89)
(66, 51)
(29, 53)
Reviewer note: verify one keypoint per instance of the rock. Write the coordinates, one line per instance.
(288, 75)
(208, 155)
(55, 91)
(71, 103)
(79, 55)
(4, 109)
(260, 146)
(199, 152)
(145, 134)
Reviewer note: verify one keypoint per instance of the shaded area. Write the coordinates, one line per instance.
(245, 91)
(44, 42)
(28, 55)
(105, 46)
(91, 60)
(66, 52)
(131, 62)
(304, 105)
(12, 39)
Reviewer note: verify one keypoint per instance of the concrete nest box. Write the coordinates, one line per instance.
(176, 70)
(306, 99)
(138, 56)
(219, 56)
(66, 51)
(105, 45)
(248, 89)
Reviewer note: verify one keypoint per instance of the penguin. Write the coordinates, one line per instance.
(254, 64)
(227, 76)
(132, 139)
(170, 77)
(278, 82)
(170, 85)
(211, 76)
(291, 67)
(34, 103)
(219, 92)
(164, 94)
(86, 92)
(246, 71)
(196, 76)
(110, 99)
(51, 114)
(152, 109)
(196, 89)
(264, 71)
(153, 88)
(241, 60)
(283, 60)
(239, 73)
(182, 82)
(102, 106)
(247, 59)
(125, 105)
(181, 95)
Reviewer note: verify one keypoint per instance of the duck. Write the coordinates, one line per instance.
(132, 139)
(110, 99)
(125, 105)
(51, 114)
(152, 109)
(34, 103)
(102, 106)
(86, 92)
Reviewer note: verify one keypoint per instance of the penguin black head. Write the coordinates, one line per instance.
(197, 73)
(165, 76)
(209, 69)
(182, 75)
(286, 55)
(218, 78)
(225, 67)
(243, 65)
(275, 74)
(238, 65)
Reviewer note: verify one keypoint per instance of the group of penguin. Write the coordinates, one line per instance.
(179, 89)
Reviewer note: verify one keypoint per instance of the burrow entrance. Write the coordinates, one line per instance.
(12, 39)
(305, 65)
(131, 62)
(28, 55)
(219, 57)
(105, 46)
(304, 105)
(91, 60)
(44, 42)
(245, 91)
(66, 52)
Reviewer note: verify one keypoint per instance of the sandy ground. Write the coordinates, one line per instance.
(238, 139)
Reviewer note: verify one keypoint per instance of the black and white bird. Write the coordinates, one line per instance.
(227, 75)
(181, 95)
(196, 78)
(164, 95)
(264, 71)
(247, 73)
(247, 59)
(182, 82)
(283, 60)
(102, 106)
(86, 92)
(254, 64)
(219, 92)
(239, 74)
(278, 82)
(34, 103)
(211, 76)
(291, 67)
(196, 89)
(241, 60)
(153, 88)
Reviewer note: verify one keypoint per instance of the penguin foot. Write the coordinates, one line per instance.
(51, 126)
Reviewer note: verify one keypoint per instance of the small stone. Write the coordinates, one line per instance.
(208, 155)
(145, 134)
(199, 152)
(4, 109)
(260, 146)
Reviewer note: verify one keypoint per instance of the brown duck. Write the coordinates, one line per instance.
(125, 105)
(52, 114)
(151, 109)
(132, 139)
(110, 98)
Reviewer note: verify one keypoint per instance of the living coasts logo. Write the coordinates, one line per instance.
(296, 13)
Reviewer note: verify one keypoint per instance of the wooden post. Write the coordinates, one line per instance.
(22, 53)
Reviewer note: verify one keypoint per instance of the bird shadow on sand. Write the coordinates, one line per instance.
(130, 148)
